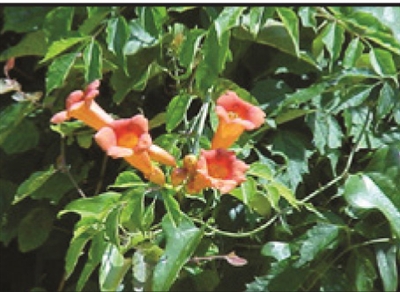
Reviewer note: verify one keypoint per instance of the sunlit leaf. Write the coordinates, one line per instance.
(97, 251)
(333, 38)
(60, 46)
(172, 206)
(362, 192)
(352, 53)
(113, 269)
(117, 36)
(58, 71)
(92, 57)
(176, 110)
(277, 250)
(291, 22)
(92, 207)
(319, 238)
(387, 265)
(182, 241)
(127, 179)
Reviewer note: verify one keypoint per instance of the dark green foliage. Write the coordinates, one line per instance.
(320, 207)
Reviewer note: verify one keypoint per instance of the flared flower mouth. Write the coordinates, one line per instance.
(235, 116)
(233, 109)
(130, 139)
(218, 168)
(124, 137)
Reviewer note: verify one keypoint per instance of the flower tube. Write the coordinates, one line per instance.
(81, 105)
(235, 116)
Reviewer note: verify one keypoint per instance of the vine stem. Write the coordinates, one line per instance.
(304, 200)
(65, 169)
(203, 116)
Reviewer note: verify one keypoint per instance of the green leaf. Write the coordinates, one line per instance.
(284, 192)
(260, 170)
(139, 38)
(362, 192)
(58, 71)
(141, 67)
(387, 265)
(57, 23)
(382, 62)
(385, 101)
(227, 19)
(92, 57)
(128, 179)
(333, 38)
(246, 191)
(182, 240)
(94, 207)
(172, 206)
(22, 19)
(291, 22)
(58, 47)
(96, 14)
(23, 137)
(215, 54)
(258, 17)
(305, 94)
(111, 225)
(97, 250)
(326, 131)
(33, 44)
(190, 47)
(321, 237)
(354, 97)
(276, 249)
(78, 242)
(362, 270)
(307, 16)
(293, 147)
(113, 269)
(141, 271)
(117, 36)
(176, 110)
(353, 53)
(152, 19)
(132, 214)
(11, 117)
(34, 182)
(386, 15)
(35, 228)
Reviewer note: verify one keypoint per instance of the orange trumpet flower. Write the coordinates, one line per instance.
(130, 139)
(217, 168)
(235, 115)
(81, 105)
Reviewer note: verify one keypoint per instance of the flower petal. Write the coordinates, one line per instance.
(59, 117)
(161, 155)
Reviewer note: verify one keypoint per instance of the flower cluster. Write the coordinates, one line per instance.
(130, 139)
(219, 168)
(122, 138)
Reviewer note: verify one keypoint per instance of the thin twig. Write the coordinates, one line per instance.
(65, 169)
(101, 176)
